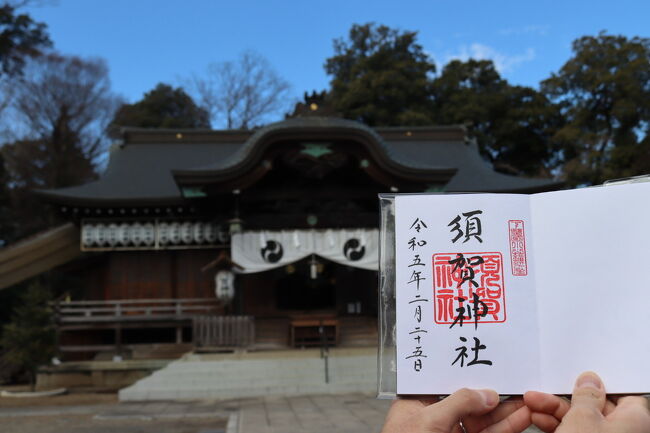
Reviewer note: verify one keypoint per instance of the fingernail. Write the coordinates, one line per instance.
(490, 397)
(589, 380)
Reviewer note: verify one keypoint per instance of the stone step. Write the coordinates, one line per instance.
(250, 375)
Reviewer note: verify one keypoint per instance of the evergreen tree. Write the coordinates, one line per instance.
(29, 341)
(512, 125)
(604, 93)
(381, 77)
(162, 107)
(20, 37)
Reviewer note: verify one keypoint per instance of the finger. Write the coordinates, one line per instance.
(632, 401)
(547, 404)
(461, 404)
(501, 412)
(459, 429)
(610, 406)
(516, 422)
(617, 397)
(545, 422)
(505, 408)
(632, 414)
(400, 411)
(429, 400)
(587, 404)
(589, 393)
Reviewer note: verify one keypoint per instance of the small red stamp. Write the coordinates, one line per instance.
(518, 248)
(457, 277)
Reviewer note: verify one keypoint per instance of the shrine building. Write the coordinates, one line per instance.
(269, 236)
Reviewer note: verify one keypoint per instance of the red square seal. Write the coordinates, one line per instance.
(458, 276)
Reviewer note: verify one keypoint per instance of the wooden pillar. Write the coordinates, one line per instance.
(118, 339)
(179, 334)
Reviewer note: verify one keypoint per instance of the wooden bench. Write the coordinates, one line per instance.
(306, 331)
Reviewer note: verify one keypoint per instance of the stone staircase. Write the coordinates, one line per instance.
(254, 374)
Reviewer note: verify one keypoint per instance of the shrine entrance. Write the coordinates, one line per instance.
(307, 285)
(290, 306)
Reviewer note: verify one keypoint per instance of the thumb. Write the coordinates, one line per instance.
(443, 416)
(589, 395)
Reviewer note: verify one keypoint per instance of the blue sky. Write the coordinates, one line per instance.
(151, 41)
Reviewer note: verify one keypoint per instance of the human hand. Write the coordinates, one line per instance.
(589, 411)
(479, 410)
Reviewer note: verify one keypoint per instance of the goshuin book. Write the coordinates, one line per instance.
(523, 292)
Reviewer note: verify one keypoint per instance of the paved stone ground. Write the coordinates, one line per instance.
(150, 417)
(353, 413)
(340, 413)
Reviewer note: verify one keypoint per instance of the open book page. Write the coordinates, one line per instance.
(465, 297)
(592, 257)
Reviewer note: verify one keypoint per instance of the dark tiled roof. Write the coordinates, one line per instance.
(315, 125)
(474, 174)
(142, 173)
(142, 170)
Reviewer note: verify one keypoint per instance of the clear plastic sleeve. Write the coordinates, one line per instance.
(386, 357)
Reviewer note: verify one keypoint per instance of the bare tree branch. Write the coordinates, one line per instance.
(240, 94)
(67, 95)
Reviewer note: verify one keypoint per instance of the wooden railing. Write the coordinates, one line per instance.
(132, 310)
(223, 331)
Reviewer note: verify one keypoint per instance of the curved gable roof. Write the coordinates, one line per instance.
(147, 168)
(318, 128)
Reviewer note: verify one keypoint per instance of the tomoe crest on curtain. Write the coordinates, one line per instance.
(272, 252)
(354, 250)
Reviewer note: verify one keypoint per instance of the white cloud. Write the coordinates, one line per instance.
(503, 63)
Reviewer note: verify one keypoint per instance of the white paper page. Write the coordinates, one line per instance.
(425, 231)
(593, 292)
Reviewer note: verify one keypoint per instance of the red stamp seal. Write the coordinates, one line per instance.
(517, 248)
(457, 277)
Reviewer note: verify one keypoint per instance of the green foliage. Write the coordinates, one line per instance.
(20, 37)
(29, 341)
(380, 77)
(511, 124)
(162, 107)
(604, 92)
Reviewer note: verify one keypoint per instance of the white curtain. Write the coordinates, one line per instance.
(258, 251)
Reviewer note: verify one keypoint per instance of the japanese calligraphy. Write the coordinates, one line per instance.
(462, 353)
(416, 298)
(418, 224)
(472, 226)
(479, 308)
(468, 286)
(466, 267)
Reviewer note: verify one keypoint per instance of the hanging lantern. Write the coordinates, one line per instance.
(87, 235)
(235, 225)
(313, 268)
(224, 283)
